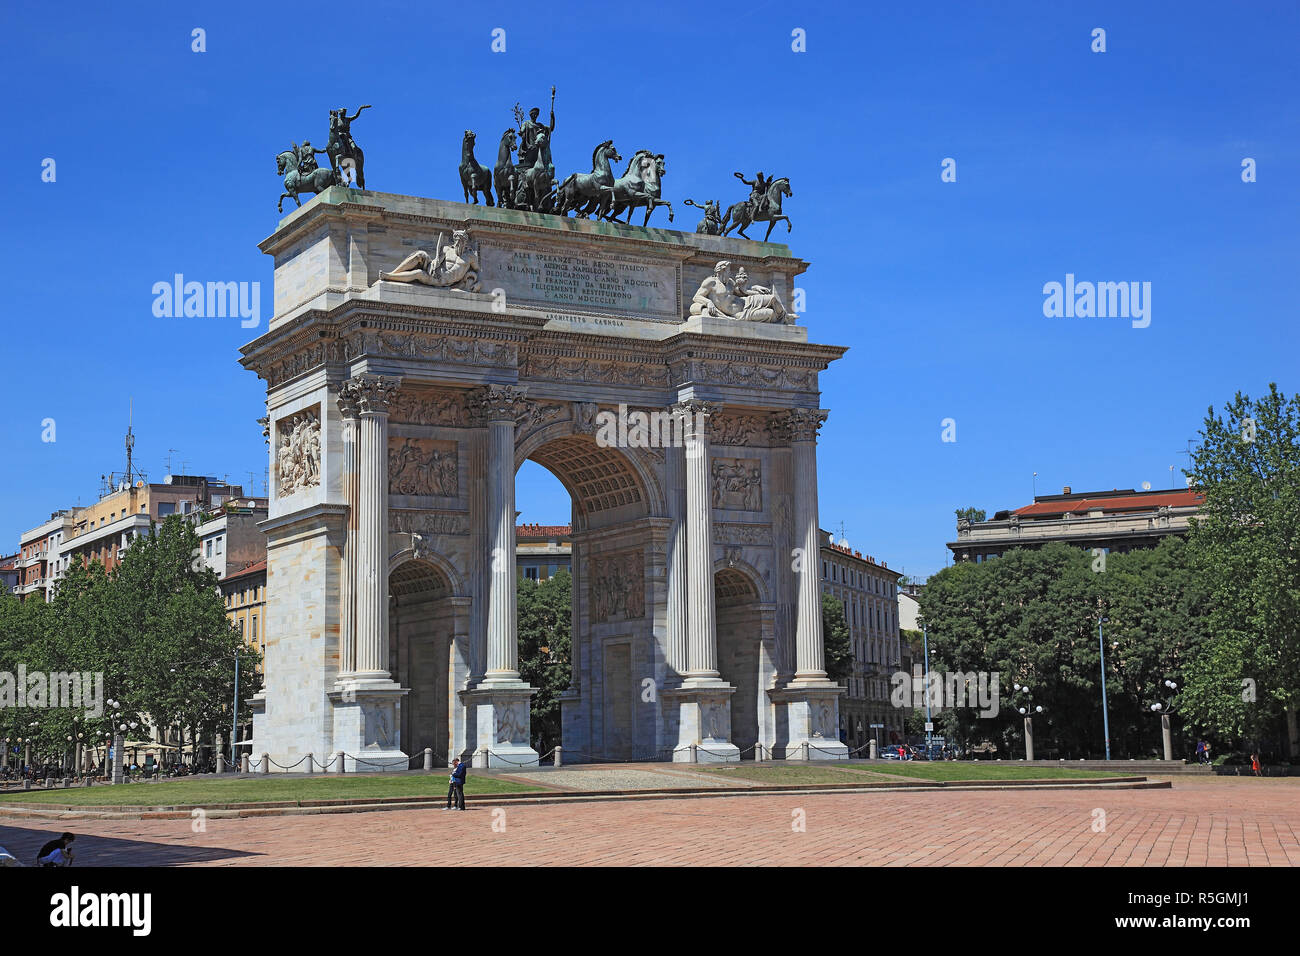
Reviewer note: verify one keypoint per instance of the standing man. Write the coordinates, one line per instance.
(456, 790)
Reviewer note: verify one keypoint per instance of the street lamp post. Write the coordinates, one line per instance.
(1027, 710)
(929, 720)
(1164, 708)
(234, 719)
(1105, 712)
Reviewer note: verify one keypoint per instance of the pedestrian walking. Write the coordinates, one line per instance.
(456, 788)
(57, 852)
(1254, 765)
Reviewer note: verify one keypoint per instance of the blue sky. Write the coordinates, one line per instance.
(1115, 166)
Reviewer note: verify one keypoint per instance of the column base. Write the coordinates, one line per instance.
(812, 716)
(703, 721)
(367, 724)
(503, 722)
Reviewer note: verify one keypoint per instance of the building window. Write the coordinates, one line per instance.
(218, 544)
(254, 627)
(166, 508)
(530, 573)
(209, 547)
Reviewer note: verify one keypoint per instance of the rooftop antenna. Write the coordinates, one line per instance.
(1035, 485)
(252, 483)
(844, 541)
(1181, 451)
(130, 441)
(170, 452)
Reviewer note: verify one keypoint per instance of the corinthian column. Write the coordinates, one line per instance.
(375, 392)
(701, 616)
(349, 398)
(810, 652)
(498, 407)
(675, 460)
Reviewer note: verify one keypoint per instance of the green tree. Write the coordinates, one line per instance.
(545, 650)
(1246, 546)
(975, 514)
(1032, 618)
(836, 640)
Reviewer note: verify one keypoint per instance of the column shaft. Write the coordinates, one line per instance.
(352, 495)
(678, 661)
(702, 633)
(372, 530)
(503, 652)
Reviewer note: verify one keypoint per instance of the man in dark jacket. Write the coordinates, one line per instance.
(456, 791)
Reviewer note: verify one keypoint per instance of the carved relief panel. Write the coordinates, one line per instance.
(297, 452)
(422, 466)
(737, 484)
(617, 586)
(425, 406)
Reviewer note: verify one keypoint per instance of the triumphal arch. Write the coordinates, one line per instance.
(419, 353)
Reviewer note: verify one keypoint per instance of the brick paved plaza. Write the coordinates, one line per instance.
(1203, 821)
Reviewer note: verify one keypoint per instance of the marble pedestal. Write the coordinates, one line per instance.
(502, 722)
(812, 710)
(367, 725)
(703, 719)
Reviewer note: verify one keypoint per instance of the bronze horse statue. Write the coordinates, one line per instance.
(742, 214)
(580, 191)
(317, 181)
(504, 171)
(474, 176)
(640, 186)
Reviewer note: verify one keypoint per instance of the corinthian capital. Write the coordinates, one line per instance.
(368, 394)
(349, 398)
(798, 424)
(696, 406)
(499, 403)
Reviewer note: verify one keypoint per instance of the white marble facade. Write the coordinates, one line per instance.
(391, 573)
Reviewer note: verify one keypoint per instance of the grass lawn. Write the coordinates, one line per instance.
(272, 788)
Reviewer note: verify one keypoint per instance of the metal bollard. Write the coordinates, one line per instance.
(806, 754)
(67, 782)
(221, 763)
(309, 763)
(695, 757)
(428, 759)
(266, 763)
(558, 750)
(872, 751)
(343, 762)
(244, 763)
(88, 782)
(27, 783)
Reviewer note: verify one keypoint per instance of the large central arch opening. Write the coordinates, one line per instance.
(611, 615)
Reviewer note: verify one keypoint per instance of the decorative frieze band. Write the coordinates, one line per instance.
(427, 522)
